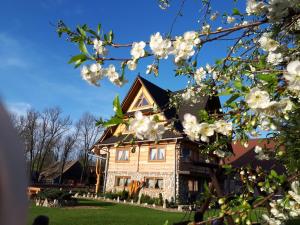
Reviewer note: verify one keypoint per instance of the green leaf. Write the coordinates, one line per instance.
(232, 98)
(203, 115)
(113, 121)
(267, 77)
(78, 59)
(81, 31)
(117, 107)
(236, 12)
(238, 84)
(110, 36)
(273, 173)
(99, 29)
(82, 48)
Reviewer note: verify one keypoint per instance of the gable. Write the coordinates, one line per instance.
(142, 100)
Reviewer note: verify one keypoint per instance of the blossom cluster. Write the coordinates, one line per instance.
(282, 210)
(259, 100)
(202, 131)
(275, 10)
(94, 73)
(260, 153)
(293, 77)
(182, 47)
(145, 127)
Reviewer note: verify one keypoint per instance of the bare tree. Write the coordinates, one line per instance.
(51, 128)
(66, 147)
(88, 134)
(27, 127)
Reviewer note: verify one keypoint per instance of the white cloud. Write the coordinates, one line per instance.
(12, 52)
(18, 108)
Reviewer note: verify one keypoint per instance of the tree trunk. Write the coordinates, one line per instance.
(219, 192)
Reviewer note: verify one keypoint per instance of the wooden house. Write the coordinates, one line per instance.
(173, 166)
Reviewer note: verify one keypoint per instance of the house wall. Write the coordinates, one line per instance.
(139, 167)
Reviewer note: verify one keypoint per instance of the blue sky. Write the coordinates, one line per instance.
(33, 67)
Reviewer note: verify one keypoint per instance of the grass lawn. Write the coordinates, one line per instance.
(90, 212)
(104, 213)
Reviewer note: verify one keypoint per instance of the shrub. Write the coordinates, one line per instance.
(52, 194)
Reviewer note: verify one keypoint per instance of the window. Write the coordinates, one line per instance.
(157, 154)
(193, 185)
(142, 101)
(122, 181)
(186, 154)
(156, 183)
(122, 155)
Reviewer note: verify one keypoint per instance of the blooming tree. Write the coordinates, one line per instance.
(260, 75)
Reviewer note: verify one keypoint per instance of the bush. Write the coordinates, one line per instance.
(52, 194)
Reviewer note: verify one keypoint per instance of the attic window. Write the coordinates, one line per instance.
(141, 102)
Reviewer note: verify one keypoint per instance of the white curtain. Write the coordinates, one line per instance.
(161, 153)
(153, 154)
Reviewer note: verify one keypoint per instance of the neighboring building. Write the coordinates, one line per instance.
(246, 156)
(173, 166)
(71, 173)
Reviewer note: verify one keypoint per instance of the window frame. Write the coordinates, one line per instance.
(120, 177)
(139, 98)
(155, 181)
(157, 147)
(117, 154)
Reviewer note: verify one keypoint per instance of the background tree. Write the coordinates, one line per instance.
(66, 146)
(87, 136)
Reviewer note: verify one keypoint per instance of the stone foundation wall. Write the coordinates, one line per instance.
(168, 190)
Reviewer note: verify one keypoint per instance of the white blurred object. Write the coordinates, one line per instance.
(13, 180)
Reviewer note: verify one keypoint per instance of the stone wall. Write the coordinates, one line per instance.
(168, 190)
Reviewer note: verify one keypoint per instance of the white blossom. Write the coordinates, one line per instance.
(112, 74)
(131, 64)
(92, 74)
(206, 130)
(214, 16)
(293, 76)
(275, 58)
(230, 19)
(183, 49)
(223, 127)
(191, 127)
(267, 43)
(192, 37)
(260, 153)
(295, 192)
(199, 75)
(220, 153)
(137, 50)
(160, 47)
(146, 128)
(99, 47)
(206, 29)
(257, 99)
(255, 7)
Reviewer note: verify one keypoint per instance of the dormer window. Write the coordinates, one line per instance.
(141, 102)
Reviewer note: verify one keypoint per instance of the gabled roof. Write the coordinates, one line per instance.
(53, 171)
(244, 156)
(161, 98)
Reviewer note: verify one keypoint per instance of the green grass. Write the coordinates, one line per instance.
(104, 213)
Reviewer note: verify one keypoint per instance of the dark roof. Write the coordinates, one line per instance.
(162, 99)
(243, 156)
(53, 171)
